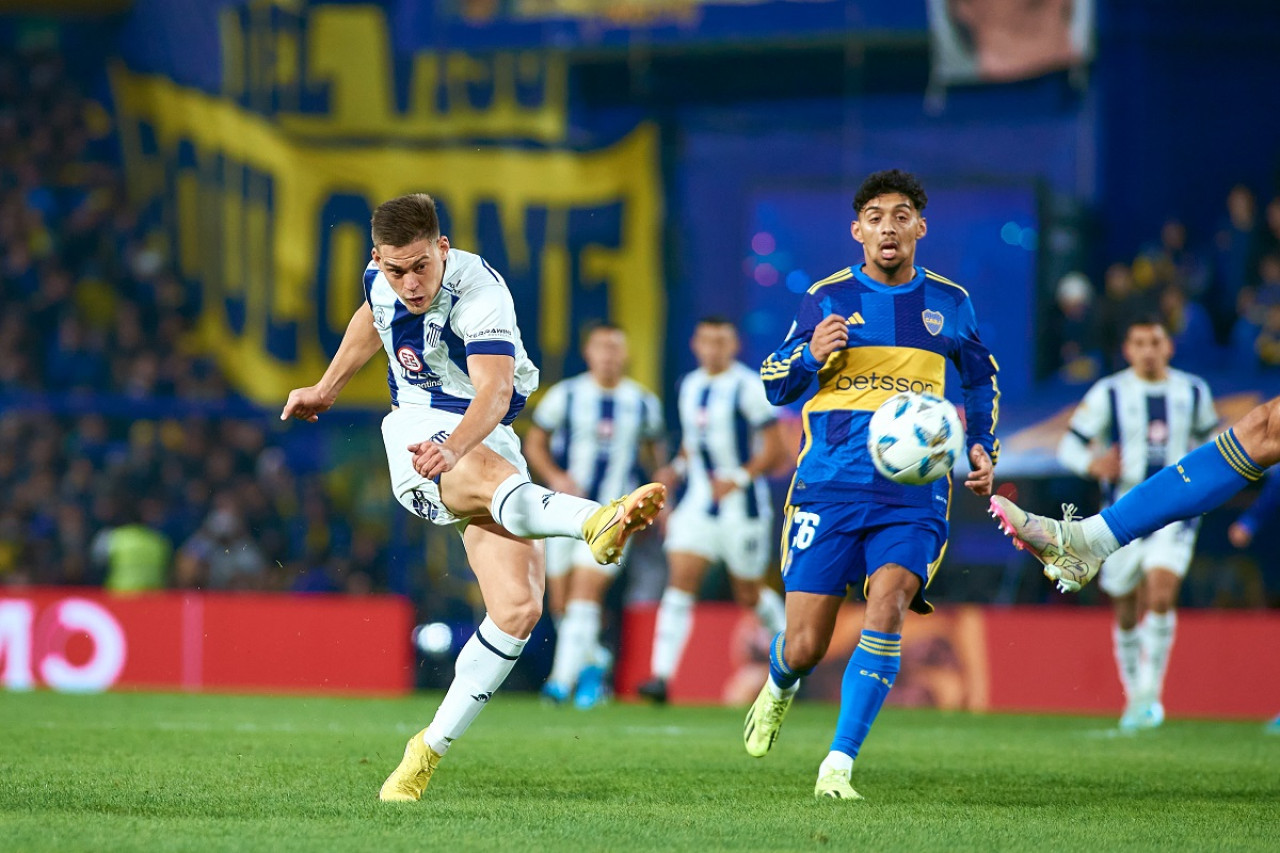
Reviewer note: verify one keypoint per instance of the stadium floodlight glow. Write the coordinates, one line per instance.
(435, 638)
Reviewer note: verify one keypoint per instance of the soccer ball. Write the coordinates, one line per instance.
(915, 438)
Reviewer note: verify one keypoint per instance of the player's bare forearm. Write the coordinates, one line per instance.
(494, 379)
(772, 453)
(537, 452)
(359, 343)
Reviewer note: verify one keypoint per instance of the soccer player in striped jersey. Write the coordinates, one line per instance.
(730, 439)
(1143, 417)
(593, 434)
(458, 375)
(866, 333)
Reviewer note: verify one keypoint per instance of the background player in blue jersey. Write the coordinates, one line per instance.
(458, 374)
(866, 332)
(593, 434)
(1141, 419)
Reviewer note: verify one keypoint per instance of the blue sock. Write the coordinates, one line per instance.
(782, 675)
(867, 680)
(1200, 481)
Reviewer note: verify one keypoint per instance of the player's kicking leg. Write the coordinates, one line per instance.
(1072, 550)
(534, 512)
(509, 571)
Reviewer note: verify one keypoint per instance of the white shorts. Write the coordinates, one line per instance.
(1170, 548)
(564, 554)
(742, 543)
(407, 426)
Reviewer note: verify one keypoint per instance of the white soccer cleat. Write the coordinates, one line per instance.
(1059, 545)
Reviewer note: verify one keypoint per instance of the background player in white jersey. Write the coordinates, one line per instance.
(591, 435)
(458, 376)
(730, 439)
(1145, 417)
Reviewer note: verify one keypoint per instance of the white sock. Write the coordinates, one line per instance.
(1128, 649)
(779, 692)
(1099, 537)
(836, 761)
(577, 640)
(482, 666)
(675, 618)
(1157, 630)
(533, 512)
(771, 610)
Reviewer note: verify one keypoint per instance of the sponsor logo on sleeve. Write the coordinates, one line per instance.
(490, 334)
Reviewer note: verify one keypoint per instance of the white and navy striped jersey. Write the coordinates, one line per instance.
(596, 432)
(473, 313)
(1154, 423)
(720, 416)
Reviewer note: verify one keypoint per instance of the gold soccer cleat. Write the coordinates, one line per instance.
(764, 721)
(407, 782)
(1060, 545)
(834, 785)
(607, 530)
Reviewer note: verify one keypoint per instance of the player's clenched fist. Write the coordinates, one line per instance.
(306, 404)
(830, 335)
(431, 459)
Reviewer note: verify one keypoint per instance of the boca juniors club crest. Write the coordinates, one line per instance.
(932, 321)
(409, 359)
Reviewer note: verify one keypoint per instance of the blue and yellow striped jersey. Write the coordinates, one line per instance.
(899, 339)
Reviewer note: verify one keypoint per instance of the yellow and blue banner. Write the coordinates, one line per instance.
(264, 185)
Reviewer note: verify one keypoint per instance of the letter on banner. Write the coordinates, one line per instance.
(107, 661)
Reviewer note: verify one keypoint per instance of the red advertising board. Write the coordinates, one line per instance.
(984, 658)
(70, 639)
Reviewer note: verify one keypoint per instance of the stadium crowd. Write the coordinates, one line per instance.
(125, 458)
(128, 461)
(1219, 293)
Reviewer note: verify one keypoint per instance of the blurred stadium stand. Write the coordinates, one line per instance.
(185, 186)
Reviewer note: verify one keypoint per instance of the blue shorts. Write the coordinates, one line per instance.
(827, 546)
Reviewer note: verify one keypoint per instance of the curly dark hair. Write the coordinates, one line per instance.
(891, 181)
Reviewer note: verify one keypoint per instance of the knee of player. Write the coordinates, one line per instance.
(804, 651)
(517, 618)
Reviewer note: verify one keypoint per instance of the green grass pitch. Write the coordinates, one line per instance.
(176, 772)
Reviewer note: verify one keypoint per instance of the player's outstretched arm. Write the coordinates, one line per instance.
(359, 343)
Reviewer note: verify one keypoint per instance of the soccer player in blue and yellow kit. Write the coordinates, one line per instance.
(867, 333)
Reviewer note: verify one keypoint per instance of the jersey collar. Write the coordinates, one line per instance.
(888, 288)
